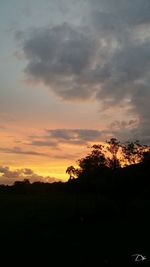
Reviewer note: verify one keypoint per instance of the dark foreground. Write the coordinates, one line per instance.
(68, 229)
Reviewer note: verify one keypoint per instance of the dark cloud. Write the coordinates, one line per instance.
(75, 136)
(8, 176)
(106, 57)
(56, 137)
(130, 12)
(120, 125)
(45, 142)
(18, 150)
(59, 57)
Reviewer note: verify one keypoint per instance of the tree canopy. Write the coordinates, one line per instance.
(109, 156)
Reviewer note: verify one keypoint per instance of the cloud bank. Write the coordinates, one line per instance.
(106, 56)
(8, 176)
(19, 150)
(56, 137)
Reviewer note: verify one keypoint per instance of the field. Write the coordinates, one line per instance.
(68, 229)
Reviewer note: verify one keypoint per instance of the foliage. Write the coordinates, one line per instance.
(112, 155)
(133, 152)
(72, 172)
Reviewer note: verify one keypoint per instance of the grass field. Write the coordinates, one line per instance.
(61, 229)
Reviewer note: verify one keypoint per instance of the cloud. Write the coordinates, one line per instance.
(106, 56)
(75, 139)
(45, 142)
(27, 171)
(58, 57)
(54, 138)
(75, 135)
(8, 176)
(130, 12)
(123, 124)
(18, 150)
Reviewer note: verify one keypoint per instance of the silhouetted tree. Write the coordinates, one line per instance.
(146, 156)
(72, 172)
(113, 148)
(94, 160)
(26, 181)
(91, 165)
(102, 157)
(133, 152)
(113, 155)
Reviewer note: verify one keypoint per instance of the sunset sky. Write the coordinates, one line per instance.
(72, 73)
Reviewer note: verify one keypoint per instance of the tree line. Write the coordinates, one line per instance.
(109, 156)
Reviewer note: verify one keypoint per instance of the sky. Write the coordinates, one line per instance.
(72, 73)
